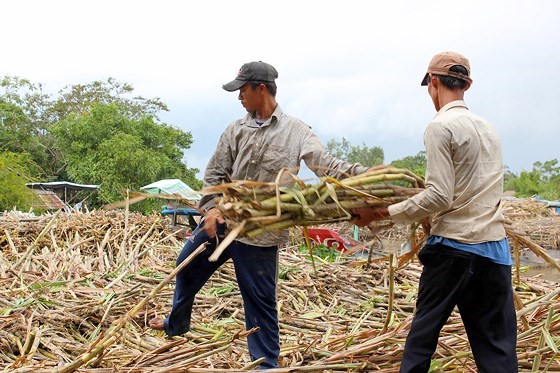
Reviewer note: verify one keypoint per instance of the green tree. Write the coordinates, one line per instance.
(527, 184)
(367, 156)
(543, 180)
(80, 98)
(415, 163)
(97, 132)
(28, 97)
(13, 177)
(36, 112)
(23, 123)
(104, 146)
(550, 170)
(17, 135)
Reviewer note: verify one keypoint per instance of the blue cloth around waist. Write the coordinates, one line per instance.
(497, 251)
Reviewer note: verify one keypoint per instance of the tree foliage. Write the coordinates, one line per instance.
(27, 96)
(543, 180)
(13, 191)
(104, 146)
(415, 163)
(80, 98)
(366, 156)
(17, 134)
(22, 129)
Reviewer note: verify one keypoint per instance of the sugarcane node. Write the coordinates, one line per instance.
(255, 204)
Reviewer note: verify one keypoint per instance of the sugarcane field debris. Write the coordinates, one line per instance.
(79, 288)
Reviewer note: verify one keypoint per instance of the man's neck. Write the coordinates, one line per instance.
(448, 95)
(266, 110)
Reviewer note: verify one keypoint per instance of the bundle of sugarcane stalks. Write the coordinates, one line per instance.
(254, 208)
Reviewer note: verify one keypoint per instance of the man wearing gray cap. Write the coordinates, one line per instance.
(255, 147)
(466, 258)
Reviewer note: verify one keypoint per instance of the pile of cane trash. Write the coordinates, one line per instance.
(77, 291)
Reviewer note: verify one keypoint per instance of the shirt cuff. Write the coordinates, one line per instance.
(396, 211)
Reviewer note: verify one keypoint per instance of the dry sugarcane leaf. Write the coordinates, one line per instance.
(62, 295)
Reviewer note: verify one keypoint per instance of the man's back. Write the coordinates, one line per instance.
(466, 145)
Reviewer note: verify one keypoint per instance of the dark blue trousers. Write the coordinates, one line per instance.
(482, 291)
(256, 270)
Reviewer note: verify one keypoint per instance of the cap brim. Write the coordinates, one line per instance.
(234, 85)
(426, 79)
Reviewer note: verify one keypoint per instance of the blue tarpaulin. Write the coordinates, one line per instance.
(555, 205)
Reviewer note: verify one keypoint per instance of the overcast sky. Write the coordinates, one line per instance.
(348, 68)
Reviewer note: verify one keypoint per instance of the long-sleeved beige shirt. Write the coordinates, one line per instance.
(464, 179)
(249, 151)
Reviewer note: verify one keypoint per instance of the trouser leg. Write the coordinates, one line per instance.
(488, 313)
(445, 274)
(256, 270)
(191, 279)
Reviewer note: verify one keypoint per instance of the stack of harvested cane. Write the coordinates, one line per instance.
(76, 291)
(252, 208)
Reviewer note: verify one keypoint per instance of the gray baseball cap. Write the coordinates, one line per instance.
(252, 71)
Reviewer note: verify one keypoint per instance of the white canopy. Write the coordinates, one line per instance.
(172, 187)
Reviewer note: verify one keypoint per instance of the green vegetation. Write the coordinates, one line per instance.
(543, 180)
(322, 251)
(95, 133)
(13, 192)
(415, 163)
(365, 155)
(104, 146)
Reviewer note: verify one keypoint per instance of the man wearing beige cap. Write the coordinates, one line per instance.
(466, 258)
(254, 147)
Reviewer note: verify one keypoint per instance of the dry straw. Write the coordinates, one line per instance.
(77, 291)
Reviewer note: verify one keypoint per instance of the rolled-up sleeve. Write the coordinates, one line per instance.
(219, 169)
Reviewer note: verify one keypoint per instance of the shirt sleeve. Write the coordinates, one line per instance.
(218, 170)
(440, 179)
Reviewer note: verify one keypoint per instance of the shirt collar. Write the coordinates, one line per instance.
(249, 118)
(452, 105)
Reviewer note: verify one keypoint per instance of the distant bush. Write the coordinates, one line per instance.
(13, 192)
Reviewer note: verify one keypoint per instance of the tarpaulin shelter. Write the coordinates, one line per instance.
(183, 193)
(172, 187)
(64, 189)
